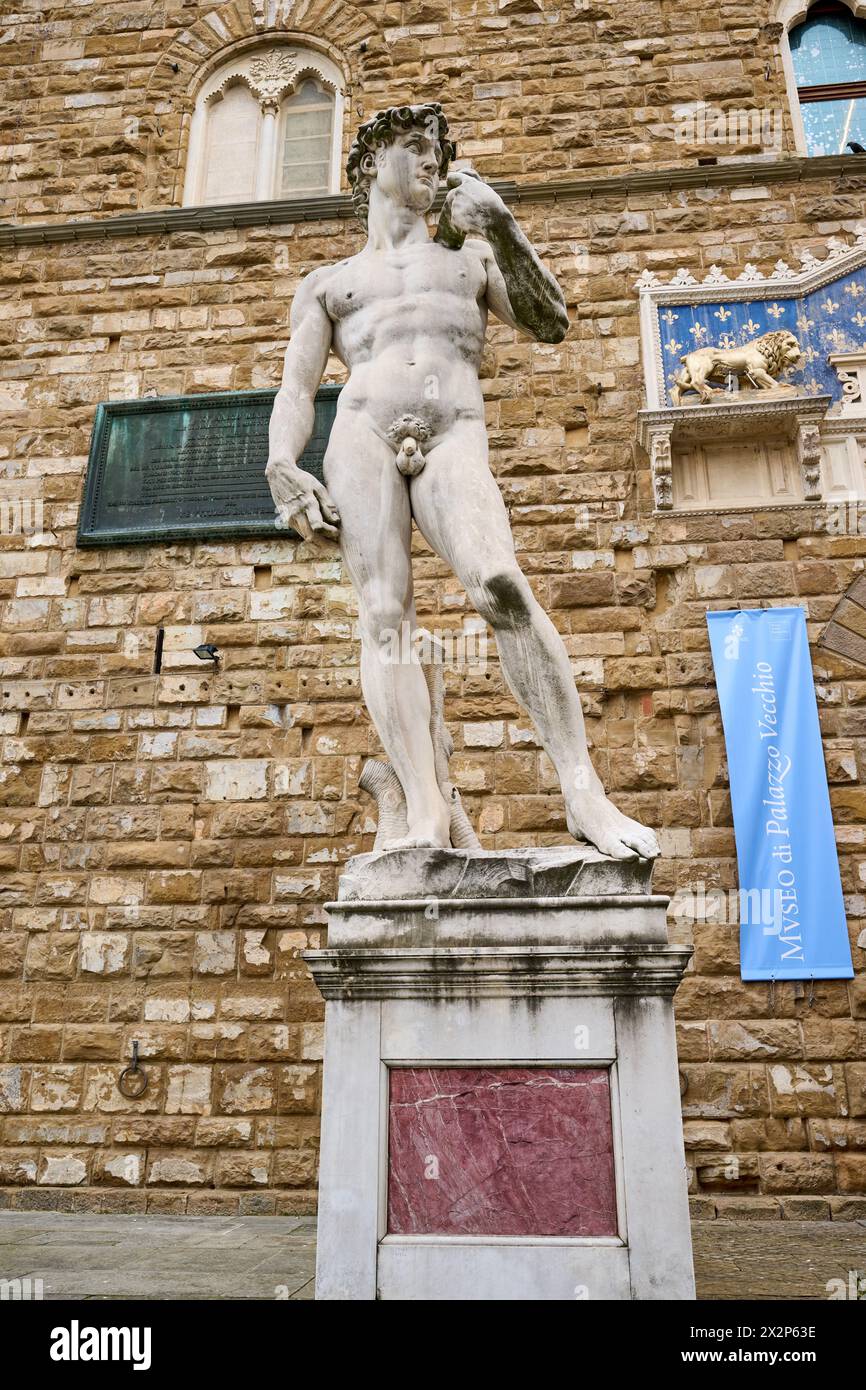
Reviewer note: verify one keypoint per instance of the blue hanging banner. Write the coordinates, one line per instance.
(792, 916)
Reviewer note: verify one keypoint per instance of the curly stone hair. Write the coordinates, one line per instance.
(380, 130)
(776, 348)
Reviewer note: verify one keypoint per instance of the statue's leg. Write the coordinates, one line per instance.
(763, 379)
(701, 384)
(460, 511)
(373, 501)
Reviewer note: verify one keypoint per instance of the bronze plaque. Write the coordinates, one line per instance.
(188, 467)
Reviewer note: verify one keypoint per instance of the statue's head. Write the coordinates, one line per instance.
(406, 150)
(781, 351)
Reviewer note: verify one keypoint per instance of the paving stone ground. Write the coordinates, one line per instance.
(160, 1257)
(261, 1257)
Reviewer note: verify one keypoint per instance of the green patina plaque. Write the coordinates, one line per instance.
(187, 467)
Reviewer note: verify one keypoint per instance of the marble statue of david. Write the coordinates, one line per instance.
(407, 316)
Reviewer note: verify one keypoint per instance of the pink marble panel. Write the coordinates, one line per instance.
(506, 1151)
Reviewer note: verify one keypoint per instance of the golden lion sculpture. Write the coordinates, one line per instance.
(760, 362)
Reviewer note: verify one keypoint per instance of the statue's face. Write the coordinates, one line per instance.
(793, 355)
(407, 170)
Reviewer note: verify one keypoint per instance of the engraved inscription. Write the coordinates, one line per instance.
(187, 466)
(205, 466)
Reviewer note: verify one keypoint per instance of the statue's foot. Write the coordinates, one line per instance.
(429, 832)
(594, 818)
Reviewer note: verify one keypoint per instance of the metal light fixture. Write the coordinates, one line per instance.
(207, 652)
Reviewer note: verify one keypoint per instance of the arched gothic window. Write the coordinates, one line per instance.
(266, 125)
(828, 54)
(306, 140)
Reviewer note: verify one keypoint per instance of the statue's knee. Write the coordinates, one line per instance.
(503, 598)
(382, 618)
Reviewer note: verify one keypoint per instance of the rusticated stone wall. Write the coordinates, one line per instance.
(167, 841)
(99, 94)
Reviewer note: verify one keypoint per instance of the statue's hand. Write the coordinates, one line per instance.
(472, 205)
(302, 502)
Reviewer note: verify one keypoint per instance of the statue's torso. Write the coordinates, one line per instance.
(410, 325)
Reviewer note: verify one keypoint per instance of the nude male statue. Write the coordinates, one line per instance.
(407, 316)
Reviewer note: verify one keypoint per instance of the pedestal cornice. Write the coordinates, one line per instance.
(447, 973)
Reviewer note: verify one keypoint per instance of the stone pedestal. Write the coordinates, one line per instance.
(501, 1114)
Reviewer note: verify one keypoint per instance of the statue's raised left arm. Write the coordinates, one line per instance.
(521, 290)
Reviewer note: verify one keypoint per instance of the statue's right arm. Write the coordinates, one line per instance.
(302, 502)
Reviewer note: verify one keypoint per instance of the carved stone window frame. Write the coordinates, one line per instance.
(272, 70)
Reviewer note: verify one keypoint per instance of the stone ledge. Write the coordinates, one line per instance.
(159, 1201)
(264, 213)
(731, 418)
(339, 205)
(496, 972)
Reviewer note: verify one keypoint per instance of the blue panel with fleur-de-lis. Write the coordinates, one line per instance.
(832, 319)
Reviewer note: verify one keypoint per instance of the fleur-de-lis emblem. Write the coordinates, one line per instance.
(854, 289)
(722, 313)
(698, 332)
(272, 72)
(838, 338)
(726, 341)
(749, 329)
(860, 319)
(830, 305)
(804, 323)
(810, 354)
(669, 317)
(812, 387)
(775, 310)
(673, 345)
